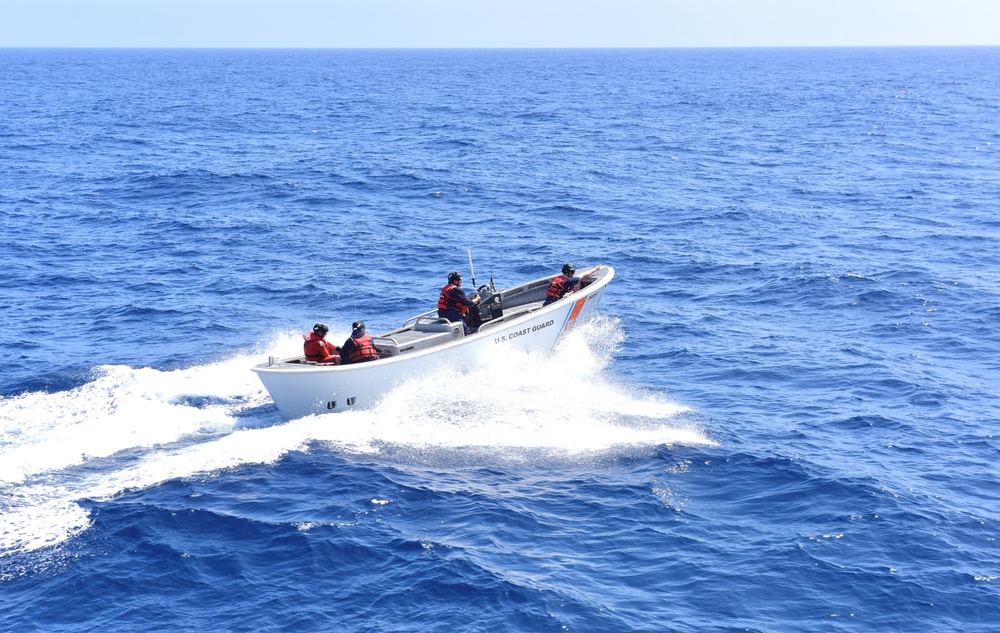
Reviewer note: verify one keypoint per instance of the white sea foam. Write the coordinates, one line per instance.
(130, 429)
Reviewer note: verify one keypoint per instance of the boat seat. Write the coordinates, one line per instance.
(439, 324)
(385, 346)
(424, 334)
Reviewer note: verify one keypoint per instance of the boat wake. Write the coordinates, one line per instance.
(131, 429)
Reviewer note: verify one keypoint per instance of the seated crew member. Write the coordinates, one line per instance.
(359, 348)
(453, 304)
(566, 283)
(318, 349)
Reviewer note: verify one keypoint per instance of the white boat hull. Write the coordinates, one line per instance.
(305, 389)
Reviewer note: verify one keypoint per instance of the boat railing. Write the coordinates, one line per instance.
(413, 320)
(509, 316)
(514, 302)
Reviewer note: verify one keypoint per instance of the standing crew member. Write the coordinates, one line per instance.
(566, 283)
(318, 349)
(453, 304)
(359, 348)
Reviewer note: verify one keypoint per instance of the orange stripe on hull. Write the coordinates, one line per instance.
(571, 319)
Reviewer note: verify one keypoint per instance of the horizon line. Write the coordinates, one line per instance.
(499, 48)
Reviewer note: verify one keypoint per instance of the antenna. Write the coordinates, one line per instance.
(471, 269)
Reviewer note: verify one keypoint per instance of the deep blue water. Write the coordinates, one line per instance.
(785, 418)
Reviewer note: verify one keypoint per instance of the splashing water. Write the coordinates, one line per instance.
(136, 428)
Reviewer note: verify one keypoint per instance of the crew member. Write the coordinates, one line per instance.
(359, 348)
(566, 283)
(318, 349)
(453, 304)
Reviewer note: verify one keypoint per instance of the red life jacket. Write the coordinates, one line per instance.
(318, 350)
(557, 288)
(362, 350)
(447, 302)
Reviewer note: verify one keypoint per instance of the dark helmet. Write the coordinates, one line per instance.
(569, 269)
(321, 329)
(358, 325)
(454, 276)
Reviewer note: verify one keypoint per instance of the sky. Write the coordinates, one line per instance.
(496, 23)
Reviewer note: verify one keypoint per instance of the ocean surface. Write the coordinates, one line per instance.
(784, 418)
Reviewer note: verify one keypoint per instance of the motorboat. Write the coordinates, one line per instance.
(513, 317)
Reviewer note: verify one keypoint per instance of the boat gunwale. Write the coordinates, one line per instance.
(286, 364)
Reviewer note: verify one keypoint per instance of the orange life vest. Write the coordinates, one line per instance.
(557, 288)
(447, 302)
(362, 350)
(317, 349)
